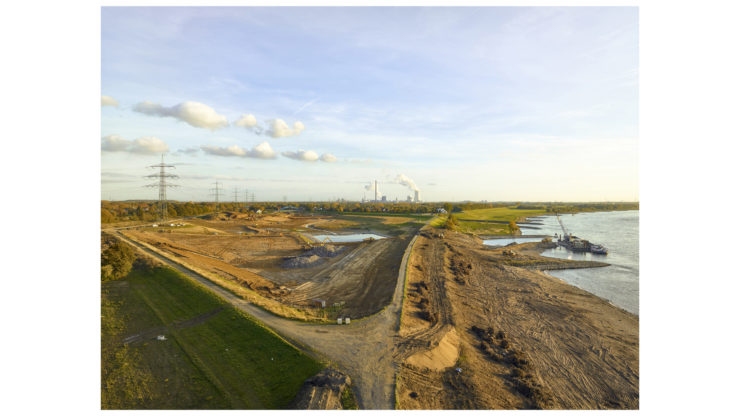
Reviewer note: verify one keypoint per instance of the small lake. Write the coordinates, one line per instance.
(346, 238)
(506, 241)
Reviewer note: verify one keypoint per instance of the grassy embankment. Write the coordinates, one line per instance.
(504, 214)
(223, 360)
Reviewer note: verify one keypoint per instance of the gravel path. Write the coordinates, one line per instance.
(366, 349)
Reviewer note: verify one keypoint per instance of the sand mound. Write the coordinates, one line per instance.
(440, 357)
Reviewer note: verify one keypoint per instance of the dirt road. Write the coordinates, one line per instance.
(365, 349)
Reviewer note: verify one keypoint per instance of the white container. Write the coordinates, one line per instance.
(339, 321)
(346, 320)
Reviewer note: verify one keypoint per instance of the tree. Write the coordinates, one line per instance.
(513, 228)
(106, 216)
(448, 207)
(451, 222)
(116, 261)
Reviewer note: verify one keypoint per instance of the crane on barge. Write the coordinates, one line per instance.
(576, 244)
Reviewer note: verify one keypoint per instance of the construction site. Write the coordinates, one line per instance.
(418, 316)
(276, 257)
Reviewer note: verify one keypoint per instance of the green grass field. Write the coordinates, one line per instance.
(488, 214)
(499, 214)
(223, 360)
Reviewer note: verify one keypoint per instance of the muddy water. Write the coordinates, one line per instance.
(619, 233)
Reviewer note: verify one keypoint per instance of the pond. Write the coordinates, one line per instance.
(346, 238)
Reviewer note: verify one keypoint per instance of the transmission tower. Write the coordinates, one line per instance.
(162, 184)
(215, 191)
(236, 200)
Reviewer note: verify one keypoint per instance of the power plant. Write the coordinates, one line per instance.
(400, 179)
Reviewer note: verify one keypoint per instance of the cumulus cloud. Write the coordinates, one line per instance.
(279, 128)
(194, 113)
(304, 155)
(110, 101)
(142, 145)
(149, 145)
(247, 121)
(261, 151)
(406, 181)
(328, 157)
(115, 143)
(224, 151)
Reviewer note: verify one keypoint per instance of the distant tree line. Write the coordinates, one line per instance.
(112, 212)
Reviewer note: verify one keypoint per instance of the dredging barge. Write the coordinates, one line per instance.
(578, 245)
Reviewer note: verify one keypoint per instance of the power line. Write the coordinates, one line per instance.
(215, 191)
(162, 185)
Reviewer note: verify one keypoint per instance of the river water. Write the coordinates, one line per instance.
(618, 231)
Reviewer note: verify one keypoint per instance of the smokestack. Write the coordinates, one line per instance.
(416, 196)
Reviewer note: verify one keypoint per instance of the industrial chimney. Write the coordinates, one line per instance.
(416, 196)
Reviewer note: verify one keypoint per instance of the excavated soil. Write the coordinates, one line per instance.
(526, 340)
(281, 264)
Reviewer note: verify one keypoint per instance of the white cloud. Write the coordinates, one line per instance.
(149, 145)
(247, 121)
(261, 151)
(224, 151)
(142, 145)
(304, 155)
(194, 113)
(279, 128)
(106, 100)
(115, 143)
(328, 157)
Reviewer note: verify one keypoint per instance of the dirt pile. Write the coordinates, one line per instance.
(326, 251)
(301, 261)
(441, 357)
(322, 391)
(312, 257)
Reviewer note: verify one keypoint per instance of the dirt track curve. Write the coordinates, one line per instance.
(366, 349)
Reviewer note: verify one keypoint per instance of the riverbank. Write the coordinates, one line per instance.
(525, 339)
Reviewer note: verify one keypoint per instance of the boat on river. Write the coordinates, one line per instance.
(578, 245)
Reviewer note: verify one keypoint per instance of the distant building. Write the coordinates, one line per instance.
(416, 196)
(441, 211)
(408, 198)
(383, 199)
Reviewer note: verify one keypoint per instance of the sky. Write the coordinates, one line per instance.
(313, 104)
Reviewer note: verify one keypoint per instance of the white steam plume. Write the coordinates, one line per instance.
(406, 181)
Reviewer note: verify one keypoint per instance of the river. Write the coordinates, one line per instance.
(618, 231)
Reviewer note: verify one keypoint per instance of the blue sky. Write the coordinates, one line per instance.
(491, 103)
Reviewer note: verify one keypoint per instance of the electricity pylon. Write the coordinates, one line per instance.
(162, 184)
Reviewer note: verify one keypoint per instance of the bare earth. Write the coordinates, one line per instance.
(581, 352)
(479, 328)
